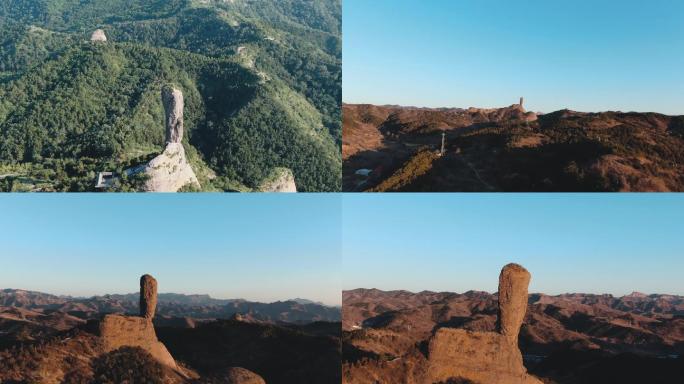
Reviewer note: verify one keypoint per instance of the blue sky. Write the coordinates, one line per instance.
(258, 247)
(589, 243)
(584, 54)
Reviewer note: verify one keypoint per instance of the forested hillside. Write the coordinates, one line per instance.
(261, 80)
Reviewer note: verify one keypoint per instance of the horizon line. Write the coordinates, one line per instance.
(171, 293)
(497, 107)
(529, 293)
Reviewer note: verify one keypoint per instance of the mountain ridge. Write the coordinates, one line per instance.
(397, 149)
(173, 306)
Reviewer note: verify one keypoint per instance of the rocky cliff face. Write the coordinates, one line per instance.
(280, 180)
(118, 331)
(171, 171)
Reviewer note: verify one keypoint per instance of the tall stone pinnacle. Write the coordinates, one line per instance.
(172, 99)
(513, 283)
(148, 296)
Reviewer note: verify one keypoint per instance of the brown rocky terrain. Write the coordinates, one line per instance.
(445, 354)
(572, 338)
(40, 343)
(390, 148)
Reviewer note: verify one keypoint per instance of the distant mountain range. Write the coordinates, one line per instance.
(172, 305)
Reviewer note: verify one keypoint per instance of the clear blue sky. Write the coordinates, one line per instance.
(258, 247)
(590, 243)
(583, 54)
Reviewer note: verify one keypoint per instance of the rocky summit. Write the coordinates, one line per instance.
(117, 331)
(171, 171)
(486, 357)
(510, 336)
(165, 338)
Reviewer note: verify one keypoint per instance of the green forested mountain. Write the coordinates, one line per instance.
(261, 81)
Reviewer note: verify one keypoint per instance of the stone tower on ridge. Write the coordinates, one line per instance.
(522, 100)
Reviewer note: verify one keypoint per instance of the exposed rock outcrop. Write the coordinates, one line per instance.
(513, 282)
(172, 99)
(118, 331)
(486, 357)
(171, 171)
(98, 35)
(279, 180)
(148, 296)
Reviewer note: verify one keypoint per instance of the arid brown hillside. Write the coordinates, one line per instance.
(573, 338)
(509, 149)
(41, 343)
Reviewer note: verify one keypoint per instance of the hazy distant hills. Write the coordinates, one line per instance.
(172, 305)
(390, 148)
(562, 338)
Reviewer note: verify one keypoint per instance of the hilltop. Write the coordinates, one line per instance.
(569, 338)
(261, 84)
(165, 338)
(391, 148)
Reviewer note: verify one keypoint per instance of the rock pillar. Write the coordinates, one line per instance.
(148, 296)
(513, 283)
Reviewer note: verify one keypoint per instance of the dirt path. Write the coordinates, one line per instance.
(477, 174)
